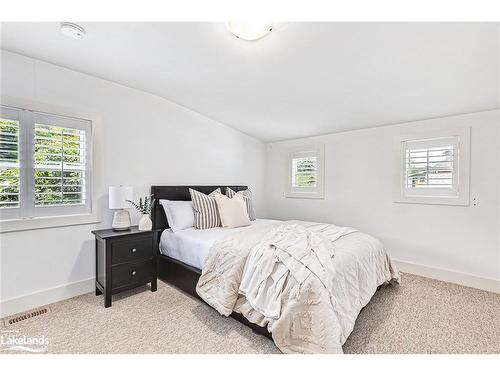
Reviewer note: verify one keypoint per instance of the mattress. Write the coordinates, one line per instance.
(191, 245)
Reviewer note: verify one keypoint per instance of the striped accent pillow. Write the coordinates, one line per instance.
(206, 214)
(247, 196)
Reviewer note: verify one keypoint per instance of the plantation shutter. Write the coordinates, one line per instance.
(61, 175)
(304, 171)
(10, 158)
(431, 165)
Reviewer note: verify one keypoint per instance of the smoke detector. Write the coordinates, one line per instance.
(72, 30)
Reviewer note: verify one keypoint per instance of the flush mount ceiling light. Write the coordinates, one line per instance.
(72, 30)
(249, 30)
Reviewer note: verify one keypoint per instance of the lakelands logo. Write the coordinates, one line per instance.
(13, 341)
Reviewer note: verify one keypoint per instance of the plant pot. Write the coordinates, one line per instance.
(145, 222)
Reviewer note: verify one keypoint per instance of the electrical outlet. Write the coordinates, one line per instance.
(474, 202)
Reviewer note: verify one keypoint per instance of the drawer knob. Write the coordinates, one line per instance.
(134, 250)
(133, 273)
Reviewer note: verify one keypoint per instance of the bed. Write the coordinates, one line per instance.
(189, 259)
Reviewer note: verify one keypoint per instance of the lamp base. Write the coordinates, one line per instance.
(121, 220)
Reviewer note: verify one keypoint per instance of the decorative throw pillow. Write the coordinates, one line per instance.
(205, 211)
(233, 211)
(247, 196)
(179, 214)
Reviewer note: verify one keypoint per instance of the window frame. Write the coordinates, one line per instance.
(317, 150)
(47, 217)
(458, 194)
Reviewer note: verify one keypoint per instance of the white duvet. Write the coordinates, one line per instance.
(306, 281)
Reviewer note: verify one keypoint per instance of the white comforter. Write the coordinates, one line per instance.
(306, 281)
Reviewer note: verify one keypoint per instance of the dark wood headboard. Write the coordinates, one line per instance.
(177, 193)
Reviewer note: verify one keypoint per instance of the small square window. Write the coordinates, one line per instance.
(305, 173)
(433, 170)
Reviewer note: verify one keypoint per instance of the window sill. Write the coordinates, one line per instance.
(303, 195)
(17, 225)
(433, 200)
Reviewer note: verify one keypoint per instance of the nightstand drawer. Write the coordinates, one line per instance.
(131, 250)
(131, 273)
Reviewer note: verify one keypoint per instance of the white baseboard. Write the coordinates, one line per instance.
(472, 281)
(45, 296)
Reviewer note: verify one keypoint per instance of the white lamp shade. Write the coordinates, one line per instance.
(118, 196)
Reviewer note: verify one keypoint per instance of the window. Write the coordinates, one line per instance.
(433, 170)
(305, 177)
(45, 165)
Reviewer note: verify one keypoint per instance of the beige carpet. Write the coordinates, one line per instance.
(420, 316)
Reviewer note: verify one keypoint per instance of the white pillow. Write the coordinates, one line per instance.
(247, 196)
(232, 211)
(179, 214)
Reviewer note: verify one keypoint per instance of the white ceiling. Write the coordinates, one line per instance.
(302, 79)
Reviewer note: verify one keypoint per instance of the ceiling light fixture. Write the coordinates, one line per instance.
(72, 30)
(249, 30)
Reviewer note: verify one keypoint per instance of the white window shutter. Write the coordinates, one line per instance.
(10, 167)
(306, 172)
(61, 173)
(431, 167)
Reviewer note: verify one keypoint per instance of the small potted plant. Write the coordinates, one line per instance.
(144, 207)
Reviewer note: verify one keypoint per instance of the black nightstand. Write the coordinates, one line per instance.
(124, 260)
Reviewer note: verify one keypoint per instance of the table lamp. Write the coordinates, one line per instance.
(118, 196)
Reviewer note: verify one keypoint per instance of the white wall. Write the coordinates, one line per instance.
(143, 140)
(358, 193)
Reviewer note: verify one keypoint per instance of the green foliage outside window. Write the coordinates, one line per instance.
(305, 172)
(59, 165)
(56, 147)
(9, 163)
